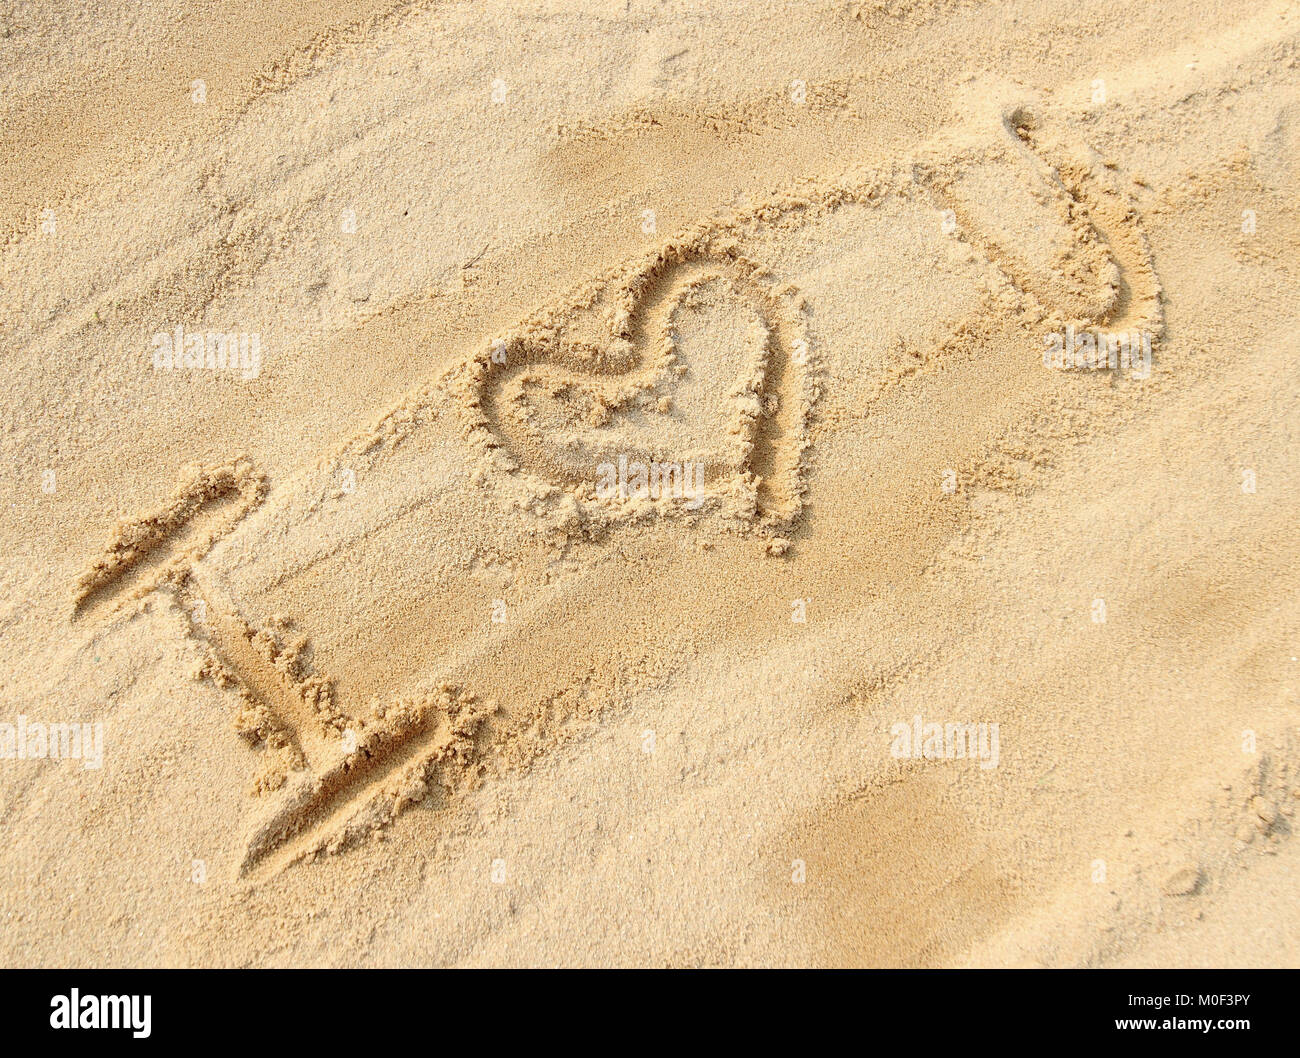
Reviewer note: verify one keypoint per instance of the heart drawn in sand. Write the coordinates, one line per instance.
(685, 382)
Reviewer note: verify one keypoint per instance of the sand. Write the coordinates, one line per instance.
(577, 483)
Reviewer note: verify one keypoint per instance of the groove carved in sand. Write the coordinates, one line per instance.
(338, 778)
(161, 546)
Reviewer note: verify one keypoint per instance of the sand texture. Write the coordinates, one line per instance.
(672, 484)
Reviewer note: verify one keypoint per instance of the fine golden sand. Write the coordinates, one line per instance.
(640, 483)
